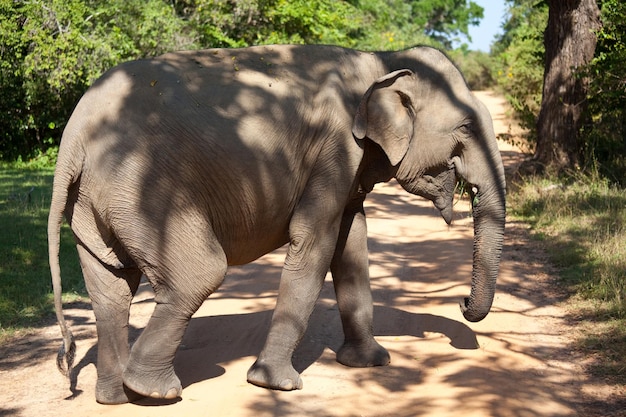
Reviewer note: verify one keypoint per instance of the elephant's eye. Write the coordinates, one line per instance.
(466, 129)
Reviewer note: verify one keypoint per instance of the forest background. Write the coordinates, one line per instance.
(52, 50)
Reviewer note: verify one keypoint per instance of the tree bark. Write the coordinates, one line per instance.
(570, 42)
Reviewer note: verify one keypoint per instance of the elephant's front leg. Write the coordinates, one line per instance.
(350, 271)
(307, 262)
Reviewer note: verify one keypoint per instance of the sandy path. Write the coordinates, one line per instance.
(513, 363)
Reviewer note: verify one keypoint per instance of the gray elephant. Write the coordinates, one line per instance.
(179, 166)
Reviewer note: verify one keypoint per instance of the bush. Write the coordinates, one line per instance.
(604, 135)
(232, 24)
(52, 50)
(477, 68)
(519, 54)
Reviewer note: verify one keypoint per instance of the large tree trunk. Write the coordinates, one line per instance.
(570, 42)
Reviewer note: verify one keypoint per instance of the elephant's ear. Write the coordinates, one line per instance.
(386, 114)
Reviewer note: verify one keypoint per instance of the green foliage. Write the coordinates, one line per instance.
(446, 18)
(520, 54)
(477, 67)
(52, 50)
(24, 274)
(400, 24)
(225, 23)
(388, 26)
(605, 134)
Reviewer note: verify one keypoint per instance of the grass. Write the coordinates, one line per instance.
(25, 286)
(581, 221)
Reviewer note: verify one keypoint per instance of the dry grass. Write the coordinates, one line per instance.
(582, 223)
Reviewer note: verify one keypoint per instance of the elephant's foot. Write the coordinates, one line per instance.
(154, 383)
(266, 375)
(363, 354)
(112, 391)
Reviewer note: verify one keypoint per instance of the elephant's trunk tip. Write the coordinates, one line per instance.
(471, 313)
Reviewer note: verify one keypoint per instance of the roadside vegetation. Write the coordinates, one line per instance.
(25, 288)
(580, 221)
(579, 214)
(51, 50)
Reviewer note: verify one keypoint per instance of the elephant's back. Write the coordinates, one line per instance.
(222, 134)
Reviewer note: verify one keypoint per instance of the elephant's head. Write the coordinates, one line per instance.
(432, 130)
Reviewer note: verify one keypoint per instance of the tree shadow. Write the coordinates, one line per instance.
(222, 339)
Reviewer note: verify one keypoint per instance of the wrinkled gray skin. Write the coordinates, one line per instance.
(179, 166)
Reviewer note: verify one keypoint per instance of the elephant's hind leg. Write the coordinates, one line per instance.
(111, 292)
(182, 280)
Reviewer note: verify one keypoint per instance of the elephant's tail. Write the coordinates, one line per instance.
(68, 169)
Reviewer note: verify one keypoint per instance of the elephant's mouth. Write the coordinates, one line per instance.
(443, 186)
(437, 185)
(446, 213)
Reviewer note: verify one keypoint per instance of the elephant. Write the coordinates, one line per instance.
(179, 166)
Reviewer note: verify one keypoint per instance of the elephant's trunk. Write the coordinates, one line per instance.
(489, 217)
(489, 212)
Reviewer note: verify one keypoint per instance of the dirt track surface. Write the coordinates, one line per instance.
(516, 362)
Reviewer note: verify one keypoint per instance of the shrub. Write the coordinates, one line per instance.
(477, 68)
(519, 54)
(604, 135)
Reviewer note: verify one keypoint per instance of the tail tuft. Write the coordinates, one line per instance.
(65, 357)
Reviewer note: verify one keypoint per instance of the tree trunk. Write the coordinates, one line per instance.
(570, 42)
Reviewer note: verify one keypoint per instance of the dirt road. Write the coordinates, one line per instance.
(516, 362)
